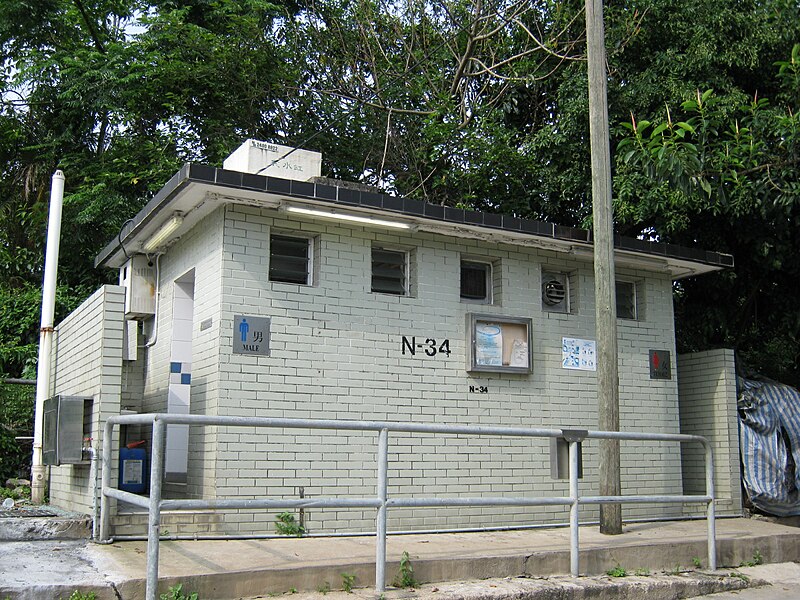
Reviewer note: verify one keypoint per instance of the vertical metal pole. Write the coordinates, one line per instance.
(380, 534)
(710, 511)
(105, 513)
(43, 368)
(574, 541)
(154, 517)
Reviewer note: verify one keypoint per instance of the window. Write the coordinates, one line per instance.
(476, 281)
(626, 299)
(389, 271)
(290, 259)
(555, 292)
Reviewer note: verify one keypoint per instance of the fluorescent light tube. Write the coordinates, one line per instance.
(324, 214)
(160, 237)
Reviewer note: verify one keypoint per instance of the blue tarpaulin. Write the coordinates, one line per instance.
(769, 432)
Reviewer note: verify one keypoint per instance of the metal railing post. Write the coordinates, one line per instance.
(574, 527)
(380, 534)
(105, 509)
(710, 511)
(154, 516)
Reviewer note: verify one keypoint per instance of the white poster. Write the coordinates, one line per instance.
(488, 344)
(579, 354)
(519, 353)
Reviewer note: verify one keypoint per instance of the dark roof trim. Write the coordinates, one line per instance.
(342, 196)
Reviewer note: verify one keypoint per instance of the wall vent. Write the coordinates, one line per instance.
(555, 292)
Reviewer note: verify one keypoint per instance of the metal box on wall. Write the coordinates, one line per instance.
(66, 426)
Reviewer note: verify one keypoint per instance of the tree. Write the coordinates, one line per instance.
(468, 102)
(117, 93)
(726, 173)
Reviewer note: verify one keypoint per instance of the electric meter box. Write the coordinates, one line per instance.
(67, 425)
(138, 277)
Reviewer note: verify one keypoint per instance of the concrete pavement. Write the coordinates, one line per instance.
(253, 568)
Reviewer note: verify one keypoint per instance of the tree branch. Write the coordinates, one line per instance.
(92, 31)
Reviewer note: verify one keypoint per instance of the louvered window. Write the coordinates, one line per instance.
(389, 271)
(476, 281)
(289, 259)
(626, 300)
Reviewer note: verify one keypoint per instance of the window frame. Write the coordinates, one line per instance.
(406, 270)
(634, 298)
(488, 297)
(310, 247)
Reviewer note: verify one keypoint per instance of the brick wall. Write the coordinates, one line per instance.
(87, 361)
(199, 250)
(707, 387)
(337, 353)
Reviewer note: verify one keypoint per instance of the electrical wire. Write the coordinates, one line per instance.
(119, 238)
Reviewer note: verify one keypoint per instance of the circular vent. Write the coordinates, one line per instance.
(553, 292)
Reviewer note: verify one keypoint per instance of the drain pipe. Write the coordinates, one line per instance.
(93, 491)
(46, 334)
(154, 337)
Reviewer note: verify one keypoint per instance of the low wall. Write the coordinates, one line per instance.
(87, 361)
(707, 392)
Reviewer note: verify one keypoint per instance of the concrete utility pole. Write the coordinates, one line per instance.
(604, 279)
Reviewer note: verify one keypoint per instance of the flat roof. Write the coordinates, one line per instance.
(196, 190)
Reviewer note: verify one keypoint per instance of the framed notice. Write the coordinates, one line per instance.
(499, 344)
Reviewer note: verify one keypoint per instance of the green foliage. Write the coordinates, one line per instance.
(721, 168)
(16, 419)
(617, 571)
(286, 524)
(755, 561)
(348, 581)
(176, 593)
(455, 104)
(78, 595)
(405, 576)
(20, 493)
(698, 564)
(642, 572)
(324, 588)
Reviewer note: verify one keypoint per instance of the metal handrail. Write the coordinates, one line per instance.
(381, 502)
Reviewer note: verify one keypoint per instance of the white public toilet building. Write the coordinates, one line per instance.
(264, 290)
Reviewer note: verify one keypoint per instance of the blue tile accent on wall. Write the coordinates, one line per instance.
(186, 378)
(174, 367)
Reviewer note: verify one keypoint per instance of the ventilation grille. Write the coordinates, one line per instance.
(555, 293)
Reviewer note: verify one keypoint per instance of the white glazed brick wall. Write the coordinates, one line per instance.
(88, 362)
(336, 353)
(707, 386)
(200, 249)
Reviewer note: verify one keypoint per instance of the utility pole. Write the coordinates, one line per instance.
(604, 279)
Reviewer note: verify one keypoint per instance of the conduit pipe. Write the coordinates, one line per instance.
(46, 334)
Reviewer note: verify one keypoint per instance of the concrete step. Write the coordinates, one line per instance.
(227, 569)
(27, 523)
